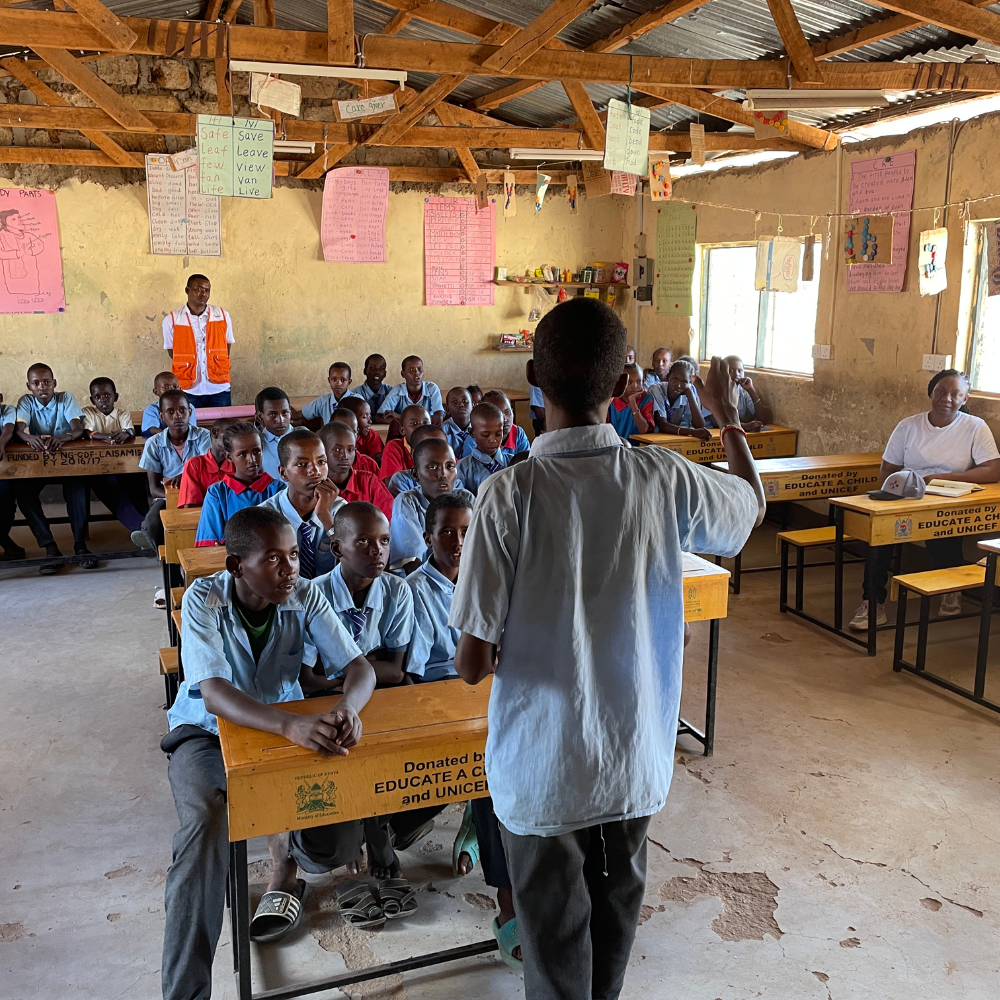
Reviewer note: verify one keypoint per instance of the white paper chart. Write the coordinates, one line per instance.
(459, 252)
(182, 222)
(626, 145)
(354, 204)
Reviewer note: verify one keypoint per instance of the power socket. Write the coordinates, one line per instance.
(936, 362)
(822, 352)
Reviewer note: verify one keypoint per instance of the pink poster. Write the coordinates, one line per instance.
(880, 186)
(459, 252)
(29, 252)
(354, 206)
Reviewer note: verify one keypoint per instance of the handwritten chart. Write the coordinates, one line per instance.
(459, 252)
(881, 185)
(354, 205)
(182, 221)
(626, 147)
(676, 231)
(235, 156)
(30, 259)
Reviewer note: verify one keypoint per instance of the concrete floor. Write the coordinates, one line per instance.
(841, 843)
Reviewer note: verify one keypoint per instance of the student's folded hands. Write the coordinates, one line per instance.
(332, 733)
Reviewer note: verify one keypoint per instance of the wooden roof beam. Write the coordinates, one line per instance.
(329, 158)
(643, 24)
(593, 127)
(522, 46)
(806, 68)
(118, 34)
(413, 109)
(340, 31)
(952, 15)
(472, 169)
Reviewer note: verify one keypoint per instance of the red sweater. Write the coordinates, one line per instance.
(199, 473)
(364, 463)
(395, 458)
(371, 445)
(367, 486)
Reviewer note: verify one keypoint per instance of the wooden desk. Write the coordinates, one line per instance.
(76, 458)
(180, 526)
(977, 694)
(772, 442)
(815, 477)
(202, 561)
(172, 492)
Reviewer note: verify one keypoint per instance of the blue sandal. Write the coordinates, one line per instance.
(508, 939)
(466, 842)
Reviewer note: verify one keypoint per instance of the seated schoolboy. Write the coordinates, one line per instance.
(476, 393)
(436, 470)
(487, 457)
(754, 412)
(515, 440)
(458, 426)
(369, 440)
(630, 355)
(243, 632)
(203, 470)
(152, 420)
(163, 459)
(374, 389)
(320, 410)
(676, 405)
(309, 500)
(663, 358)
(274, 418)
(246, 486)
(8, 498)
(406, 479)
(396, 454)
(346, 415)
(413, 390)
(45, 420)
(632, 411)
(536, 403)
(354, 484)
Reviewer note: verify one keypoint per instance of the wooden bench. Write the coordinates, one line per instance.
(180, 527)
(169, 669)
(800, 540)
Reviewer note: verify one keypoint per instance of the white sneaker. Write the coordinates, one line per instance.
(859, 623)
(951, 604)
(160, 599)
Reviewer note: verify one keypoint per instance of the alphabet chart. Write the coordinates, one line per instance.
(354, 205)
(459, 252)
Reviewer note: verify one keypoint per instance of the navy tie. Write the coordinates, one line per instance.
(307, 557)
(358, 619)
(493, 465)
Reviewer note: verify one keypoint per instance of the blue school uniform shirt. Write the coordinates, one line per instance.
(8, 414)
(322, 407)
(52, 418)
(432, 649)
(535, 397)
(521, 443)
(461, 441)
(216, 645)
(621, 418)
(225, 498)
(477, 467)
(406, 479)
(591, 620)
(745, 405)
(152, 422)
(160, 456)
(678, 412)
(385, 621)
(374, 399)
(323, 558)
(398, 399)
(650, 379)
(409, 511)
(269, 449)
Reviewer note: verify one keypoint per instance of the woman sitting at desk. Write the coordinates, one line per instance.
(946, 443)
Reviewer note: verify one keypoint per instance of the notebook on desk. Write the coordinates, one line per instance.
(946, 488)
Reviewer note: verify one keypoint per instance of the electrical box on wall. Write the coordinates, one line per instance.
(642, 279)
(936, 362)
(822, 352)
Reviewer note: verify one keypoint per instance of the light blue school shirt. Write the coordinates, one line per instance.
(535, 397)
(409, 512)
(432, 649)
(398, 399)
(151, 421)
(322, 407)
(406, 480)
(574, 560)
(744, 405)
(269, 449)
(678, 412)
(521, 443)
(8, 414)
(374, 399)
(215, 644)
(650, 379)
(388, 609)
(51, 419)
(474, 469)
(323, 556)
(461, 441)
(159, 455)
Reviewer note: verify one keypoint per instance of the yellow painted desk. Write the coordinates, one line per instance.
(772, 442)
(815, 477)
(76, 458)
(201, 561)
(172, 492)
(180, 525)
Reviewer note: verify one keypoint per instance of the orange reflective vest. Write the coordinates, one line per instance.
(185, 360)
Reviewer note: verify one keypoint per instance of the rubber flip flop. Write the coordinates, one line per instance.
(358, 906)
(277, 913)
(397, 898)
(508, 939)
(466, 842)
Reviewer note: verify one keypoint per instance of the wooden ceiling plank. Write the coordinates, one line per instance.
(329, 158)
(472, 169)
(110, 26)
(340, 31)
(644, 23)
(463, 116)
(397, 22)
(414, 109)
(65, 157)
(223, 77)
(263, 14)
(593, 127)
(95, 88)
(231, 11)
(952, 15)
(796, 45)
(213, 8)
(534, 36)
(497, 97)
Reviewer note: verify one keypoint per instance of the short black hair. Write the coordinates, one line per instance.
(679, 364)
(421, 433)
(487, 411)
(579, 346)
(344, 410)
(410, 357)
(426, 444)
(243, 427)
(352, 403)
(447, 501)
(196, 277)
(173, 394)
(244, 528)
(285, 444)
(372, 357)
(353, 511)
(690, 362)
(102, 379)
(39, 366)
(470, 389)
(413, 406)
(271, 392)
(159, 375)
(456, 388)
(333, 427)
(494, 393)
(947, 373)
(340, 364)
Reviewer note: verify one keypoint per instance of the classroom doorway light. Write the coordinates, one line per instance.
(556, 154)
(340, 72)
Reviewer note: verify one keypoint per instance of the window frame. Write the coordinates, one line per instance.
(977, 307)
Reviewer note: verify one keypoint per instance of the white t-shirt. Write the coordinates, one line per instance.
(199, 325)
(916, 444)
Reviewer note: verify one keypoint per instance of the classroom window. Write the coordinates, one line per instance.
(766, 329)
(984, 344)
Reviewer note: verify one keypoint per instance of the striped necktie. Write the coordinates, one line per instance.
(492, 465)
(358, 619)
(307, 556)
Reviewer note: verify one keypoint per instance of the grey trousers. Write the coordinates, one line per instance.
(577, 898)
(195, 895)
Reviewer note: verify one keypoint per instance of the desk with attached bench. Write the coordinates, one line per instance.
(771, 442)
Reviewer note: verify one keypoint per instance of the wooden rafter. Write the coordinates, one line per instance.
(223, 78)
(414, 109)
(263, 13)
(109, 25)
(952, 15)
(590, 120)
(472, 169)
(796, 45)
(212, 10)
(330, 157)
(340, 31)
(534, 36)
(231, 11)
(397, 22)
(643, 24)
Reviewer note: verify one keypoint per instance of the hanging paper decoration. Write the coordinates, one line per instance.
(698, 144)
(622, 183)
(596, 179)
(991, 236)
(572, 191)
(542, 182)
(626, 144)
(868, 239)
(509, 202)
(482, 192)
(770, 124)
(807, 257)
(931, 260)
(659, 180)
(267, 91)
(777, 265)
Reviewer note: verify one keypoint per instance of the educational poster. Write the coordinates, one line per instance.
(268, 91)
(659, 180)
(991, 235)
(698, 144)
(542, 182)
(933, 249)
(572, 193)
(30, 258)
(182, 221)
(881, 185)
(623, 183)
(777, 265)
(596, 179)
(459, 252)
(354, 206)
(676, 232)
(235, 156)
(626, 145)
(509, 196)
(770, 124)
(868, 240)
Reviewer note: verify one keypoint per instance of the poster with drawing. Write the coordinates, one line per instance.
(868, 239)
(777, 265)
(30, 257)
